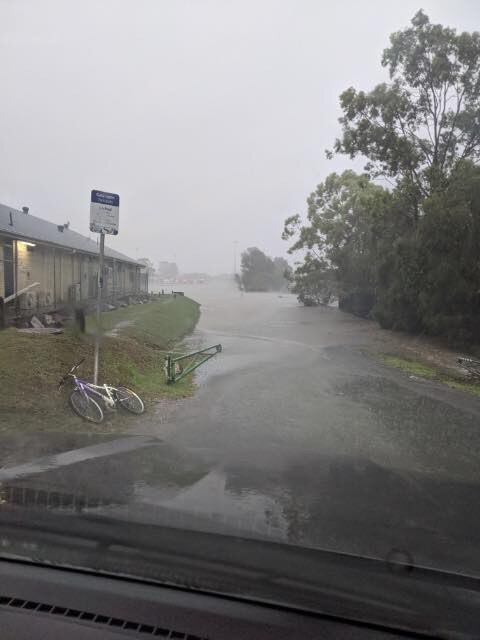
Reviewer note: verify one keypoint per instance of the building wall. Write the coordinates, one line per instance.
(84, 262)
(31, 265)
(56, 269)
(2, 276)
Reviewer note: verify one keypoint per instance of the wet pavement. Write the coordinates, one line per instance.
(296, 433)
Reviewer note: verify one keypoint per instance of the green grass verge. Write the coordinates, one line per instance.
(31, 365)
(159, 323)
(422, 370)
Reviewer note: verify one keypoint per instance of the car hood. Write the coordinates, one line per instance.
(343, 504)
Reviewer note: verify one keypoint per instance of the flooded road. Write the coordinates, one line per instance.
(296, 433)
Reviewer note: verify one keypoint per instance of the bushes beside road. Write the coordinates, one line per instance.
(405, 251)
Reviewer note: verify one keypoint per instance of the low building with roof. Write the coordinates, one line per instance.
(63, 262)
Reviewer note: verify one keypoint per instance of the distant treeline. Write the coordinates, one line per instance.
(261, 273)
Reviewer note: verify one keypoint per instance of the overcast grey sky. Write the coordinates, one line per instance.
(208, 117)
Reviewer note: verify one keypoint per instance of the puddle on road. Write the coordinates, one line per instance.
(209, 501)
(294, 496)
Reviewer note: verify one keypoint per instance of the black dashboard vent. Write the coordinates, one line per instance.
(96, 618)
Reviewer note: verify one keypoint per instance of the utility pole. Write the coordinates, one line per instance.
(235, 244)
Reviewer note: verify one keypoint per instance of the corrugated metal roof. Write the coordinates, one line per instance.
(33, 228)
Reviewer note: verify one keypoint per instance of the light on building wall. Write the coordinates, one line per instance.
(29, 244)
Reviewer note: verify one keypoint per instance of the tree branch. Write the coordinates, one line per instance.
(452, 128)
(411, 168)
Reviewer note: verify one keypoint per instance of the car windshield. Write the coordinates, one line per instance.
(240, 276)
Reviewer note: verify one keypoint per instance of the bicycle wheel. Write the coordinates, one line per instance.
(472, 366)
(85, 407)
(129, 400)
(473, 370)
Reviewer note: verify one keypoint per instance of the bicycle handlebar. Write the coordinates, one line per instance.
(74, 368)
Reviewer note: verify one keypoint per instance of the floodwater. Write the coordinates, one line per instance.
(296, 433)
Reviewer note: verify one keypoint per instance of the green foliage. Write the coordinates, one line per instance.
(409, 256)
(261, 273)
(345, 221)
(312, 281)
(449, 249)
(429, 280)
(420, 126)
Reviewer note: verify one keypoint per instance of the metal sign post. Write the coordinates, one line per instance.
(104, 212)
(99, 307)
(103, 219)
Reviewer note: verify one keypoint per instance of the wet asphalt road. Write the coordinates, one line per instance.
(296, 433)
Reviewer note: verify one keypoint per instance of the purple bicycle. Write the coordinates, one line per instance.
(85, 405)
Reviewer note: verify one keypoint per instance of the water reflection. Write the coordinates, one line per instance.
(339, 503)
